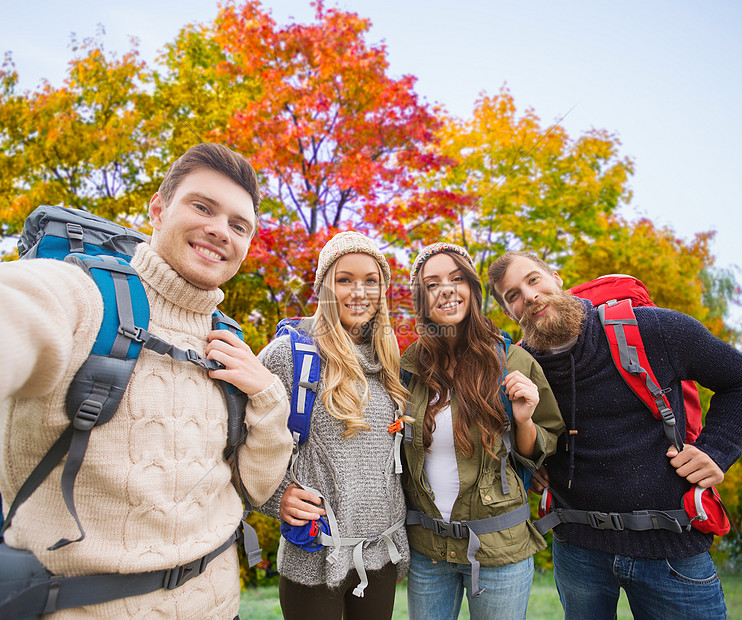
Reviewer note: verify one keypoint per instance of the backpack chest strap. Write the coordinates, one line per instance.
(639, 520)
(472, 530)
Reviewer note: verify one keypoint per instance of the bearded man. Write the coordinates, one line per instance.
(613, 459)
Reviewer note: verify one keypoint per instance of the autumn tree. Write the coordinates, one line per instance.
(88, 144)
(532, 186)
(340, 143)
(193, 92)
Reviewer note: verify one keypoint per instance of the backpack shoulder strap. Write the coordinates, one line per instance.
(306, 362)
(627, 350)
(508, 437)
(236, 433)
(236, 399)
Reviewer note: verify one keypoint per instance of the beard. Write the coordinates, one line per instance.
(561, 323)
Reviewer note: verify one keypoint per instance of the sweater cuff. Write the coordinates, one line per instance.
(267, 398)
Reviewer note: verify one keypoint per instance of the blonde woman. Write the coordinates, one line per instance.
(347, 468)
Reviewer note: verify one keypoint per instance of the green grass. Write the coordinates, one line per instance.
(262, 603)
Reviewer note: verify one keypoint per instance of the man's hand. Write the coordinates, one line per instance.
(241, 368)
(299, 506)
(695, 466)
(540, 480)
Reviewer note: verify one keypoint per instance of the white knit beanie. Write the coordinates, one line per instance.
(349, 242)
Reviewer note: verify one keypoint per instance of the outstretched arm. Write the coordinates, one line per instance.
(44, 305)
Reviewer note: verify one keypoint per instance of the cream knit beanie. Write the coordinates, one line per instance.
(349, 242)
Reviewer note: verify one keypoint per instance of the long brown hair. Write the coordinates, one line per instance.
(478, 361)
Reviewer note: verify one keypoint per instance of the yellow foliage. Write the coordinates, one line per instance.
(269, 534)
(731, 492)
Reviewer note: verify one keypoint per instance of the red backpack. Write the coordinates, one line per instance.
(615, 296)
(619, 286)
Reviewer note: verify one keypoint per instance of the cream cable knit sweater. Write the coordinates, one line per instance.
(154, 491)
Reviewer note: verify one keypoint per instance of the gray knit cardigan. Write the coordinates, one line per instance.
(355, 474)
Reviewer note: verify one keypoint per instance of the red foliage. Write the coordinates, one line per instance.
(339, 143)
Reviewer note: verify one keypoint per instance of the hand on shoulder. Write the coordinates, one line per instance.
(241, 368)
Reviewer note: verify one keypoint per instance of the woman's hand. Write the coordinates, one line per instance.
(523, 393)
(299, 506)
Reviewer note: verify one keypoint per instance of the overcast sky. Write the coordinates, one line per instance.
(664, 76)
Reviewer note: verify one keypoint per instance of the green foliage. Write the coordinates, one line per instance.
(720, 291)
(86, 144)
(543, 560)
(729, 548)
(266, 571)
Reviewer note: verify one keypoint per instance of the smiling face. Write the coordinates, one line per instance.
(525, 288)
(205, 231)
(447, 292)
(357, 291)
(549, 316)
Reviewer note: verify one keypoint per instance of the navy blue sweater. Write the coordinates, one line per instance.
(619, 449)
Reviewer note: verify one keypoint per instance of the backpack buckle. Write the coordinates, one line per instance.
(74, 236)
(668, 417)
(605, 520)
(176, 577)
(454, 529)
(201, 361)
(134, 333)
(87, 415)
(396, 426)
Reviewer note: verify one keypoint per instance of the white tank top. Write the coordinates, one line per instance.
(440, 464)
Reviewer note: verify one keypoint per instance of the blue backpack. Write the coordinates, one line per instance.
(103, 250)
(306, 361)
(307, 370)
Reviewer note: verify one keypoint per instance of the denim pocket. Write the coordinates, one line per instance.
(698, 569)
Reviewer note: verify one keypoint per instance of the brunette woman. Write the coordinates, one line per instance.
(469, 525)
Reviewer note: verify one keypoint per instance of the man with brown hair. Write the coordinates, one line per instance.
(614, 458)
(154, 492)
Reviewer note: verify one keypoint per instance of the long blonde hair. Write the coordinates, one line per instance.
(345, 393)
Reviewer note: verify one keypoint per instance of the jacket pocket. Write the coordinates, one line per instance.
(492, 496)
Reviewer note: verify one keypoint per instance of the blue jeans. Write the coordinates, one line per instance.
(589, 583)
(434, 589)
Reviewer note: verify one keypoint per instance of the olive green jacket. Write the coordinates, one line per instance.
(480, 494)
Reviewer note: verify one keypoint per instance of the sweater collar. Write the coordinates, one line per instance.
(162, 278)
(369, 362)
